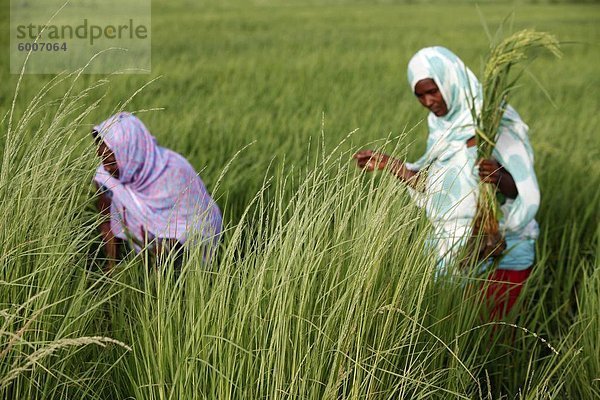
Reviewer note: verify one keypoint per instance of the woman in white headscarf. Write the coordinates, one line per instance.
(449, 172)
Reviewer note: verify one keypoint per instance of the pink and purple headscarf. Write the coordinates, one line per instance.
(157, 194)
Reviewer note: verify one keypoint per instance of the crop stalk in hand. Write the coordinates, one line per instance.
(489, 241)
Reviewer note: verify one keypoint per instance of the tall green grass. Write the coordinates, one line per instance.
(50, 303)
(322, 290)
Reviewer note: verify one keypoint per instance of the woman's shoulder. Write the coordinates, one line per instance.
(176, 160)
(178, 167)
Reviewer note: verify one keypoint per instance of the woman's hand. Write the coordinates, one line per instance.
(490, 171)
(371, 160)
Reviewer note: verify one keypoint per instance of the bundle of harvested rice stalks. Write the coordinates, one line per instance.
(498, 84)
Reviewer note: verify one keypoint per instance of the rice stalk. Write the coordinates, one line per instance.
(37, 356)
(498, 83)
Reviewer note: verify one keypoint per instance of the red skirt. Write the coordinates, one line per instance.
(502, 290)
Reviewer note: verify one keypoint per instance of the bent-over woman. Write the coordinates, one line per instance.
(151, 195)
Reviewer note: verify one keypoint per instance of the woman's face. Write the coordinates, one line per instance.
(429, 96)
(108, 159)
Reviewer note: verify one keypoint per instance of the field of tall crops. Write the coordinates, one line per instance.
(321, 288)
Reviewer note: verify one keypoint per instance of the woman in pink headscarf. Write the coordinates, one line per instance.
(151, 195)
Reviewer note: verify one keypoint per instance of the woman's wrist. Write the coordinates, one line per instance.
(382, 161)
(398, 168)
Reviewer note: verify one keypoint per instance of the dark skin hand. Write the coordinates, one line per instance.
(370, 160)
(429, 95)
(490, 171)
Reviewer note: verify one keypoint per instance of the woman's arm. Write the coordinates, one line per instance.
(110, 241)
(515, 154)
(371, 161)
(490, 171)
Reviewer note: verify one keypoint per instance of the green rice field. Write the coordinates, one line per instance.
(321, 288)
